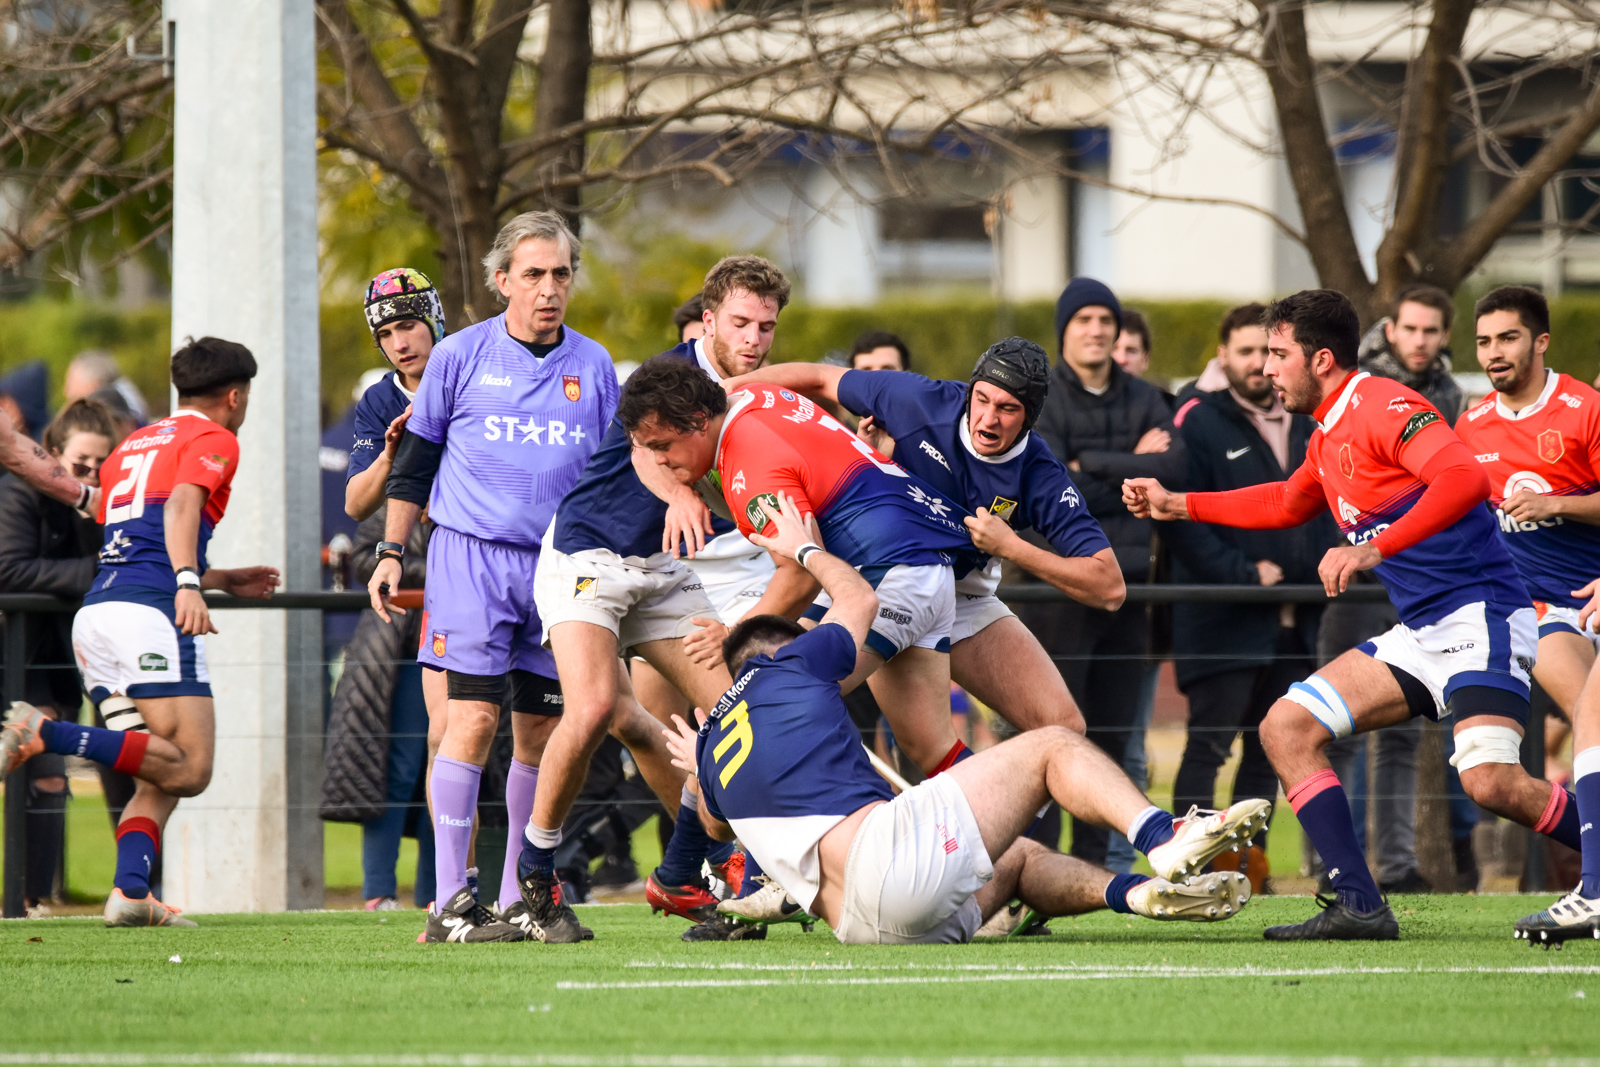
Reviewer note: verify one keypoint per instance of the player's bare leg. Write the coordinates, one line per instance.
(1004, 666)
(658, 696)
(913, 689)
(1562, 668)
(701, 685)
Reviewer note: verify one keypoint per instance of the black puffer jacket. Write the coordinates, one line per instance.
(356, 754)
(46, 547)
(1099, 432)
(1226, 452)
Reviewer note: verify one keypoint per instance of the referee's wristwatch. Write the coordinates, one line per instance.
(390, 550)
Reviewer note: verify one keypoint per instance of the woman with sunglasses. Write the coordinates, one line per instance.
(47, 547)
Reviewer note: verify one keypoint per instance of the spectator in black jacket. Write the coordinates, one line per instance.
(1106, 425)
(46, 547)
(1234, 660)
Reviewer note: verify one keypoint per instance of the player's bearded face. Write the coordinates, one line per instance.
(739, 332)
(995, 420)
(1289, 370)
(687, 455)
(1505, 350)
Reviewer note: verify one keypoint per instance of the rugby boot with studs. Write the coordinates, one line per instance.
(1573, 916)
(724, 928)
(771, 903)
(19, 737)
(691, 902)
(142, 911)
(550, 918)
(1338, 921)
(1209, 898)
(1201, 836)
(519, 916)
(463, 920)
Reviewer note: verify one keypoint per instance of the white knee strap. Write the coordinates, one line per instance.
(120, 713)
(1486, 744)
(1323, 701)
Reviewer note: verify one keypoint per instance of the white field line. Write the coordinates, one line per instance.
(296, 1059)
(957, 974)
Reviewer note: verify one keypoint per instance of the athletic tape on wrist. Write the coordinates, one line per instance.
(805, 552)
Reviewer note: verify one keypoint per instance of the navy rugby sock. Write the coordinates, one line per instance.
(1324, 812)
(1560, 819)
(538, 851)
(1151, 827)
(690, 844)
(138, 843)
(1117, 891)
(1586, 784)
(122, 750)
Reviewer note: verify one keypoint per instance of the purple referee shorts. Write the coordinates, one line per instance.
(479, 602)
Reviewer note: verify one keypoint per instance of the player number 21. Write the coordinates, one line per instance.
(137, 469)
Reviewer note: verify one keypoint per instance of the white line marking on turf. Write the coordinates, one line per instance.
(297, 1059)
(799, 974)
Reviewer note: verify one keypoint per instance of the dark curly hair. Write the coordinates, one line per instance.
(677, 392)
(1320, 318)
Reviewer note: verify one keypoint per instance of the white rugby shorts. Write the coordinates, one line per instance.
(134, 649)
(735, 573)
(1559, 619)
(1476, 644)
(636, 603)
(916, 608)
(913, 868)
(977, 607)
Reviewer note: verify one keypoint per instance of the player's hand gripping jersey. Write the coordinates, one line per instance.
(517, 431)
(184, 449)
(1377, 448)
(1552, 446)
(780, 761)
(872, 513)
(1027, 486)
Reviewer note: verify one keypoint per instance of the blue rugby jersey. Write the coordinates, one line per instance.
(1027, 486)
(610, 507)
(780, 761)
(517, 430)
(382, 403)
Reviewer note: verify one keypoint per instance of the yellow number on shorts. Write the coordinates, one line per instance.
(736, 720)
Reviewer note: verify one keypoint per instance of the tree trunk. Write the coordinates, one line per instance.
(1435, 858)
(563, 93)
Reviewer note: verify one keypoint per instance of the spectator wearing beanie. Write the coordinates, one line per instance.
(1106, 425)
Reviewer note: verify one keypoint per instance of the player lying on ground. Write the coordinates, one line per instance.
(609, 582)
(1408, 495)
(779, 763)
(140, 636)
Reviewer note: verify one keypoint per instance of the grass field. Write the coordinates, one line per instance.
(355, 989)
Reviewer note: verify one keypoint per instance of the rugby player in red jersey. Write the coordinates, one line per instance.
(1408, 496)
(140, 636)
(1538, 438)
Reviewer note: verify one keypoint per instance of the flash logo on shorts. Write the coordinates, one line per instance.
(1002, 508)
(151, 661)
(586, 588)
(438, 643)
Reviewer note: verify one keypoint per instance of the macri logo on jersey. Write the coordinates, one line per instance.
(1524, 481)
(1349, 515)
(511, 430)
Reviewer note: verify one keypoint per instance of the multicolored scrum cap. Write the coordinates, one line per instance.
(404, 293)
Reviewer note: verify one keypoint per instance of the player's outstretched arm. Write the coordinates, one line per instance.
(816, 380)
(30, 462)
(1149, 499)
(789, 533)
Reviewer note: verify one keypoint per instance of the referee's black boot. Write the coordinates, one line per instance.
(550, 918)
(1339, 922)
(463, 920)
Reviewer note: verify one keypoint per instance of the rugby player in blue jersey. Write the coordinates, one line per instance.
(506, 417)
(779, 763)
(610, 580)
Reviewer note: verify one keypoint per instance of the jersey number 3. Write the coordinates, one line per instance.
(736, 730)
(137, 469)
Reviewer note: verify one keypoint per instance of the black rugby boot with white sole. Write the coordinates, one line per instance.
(464, 921)
(550, 918)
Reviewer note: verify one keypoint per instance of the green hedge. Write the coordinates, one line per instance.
(945, 336)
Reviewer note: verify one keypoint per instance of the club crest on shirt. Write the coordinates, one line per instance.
(1347, 462)
(572, 386)
(758, 518)
(1002, 508)
(1551, 448)
(1416, 423)
(438, 643)
(585, 588)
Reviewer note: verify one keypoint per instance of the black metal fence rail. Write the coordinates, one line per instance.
(16, 607)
